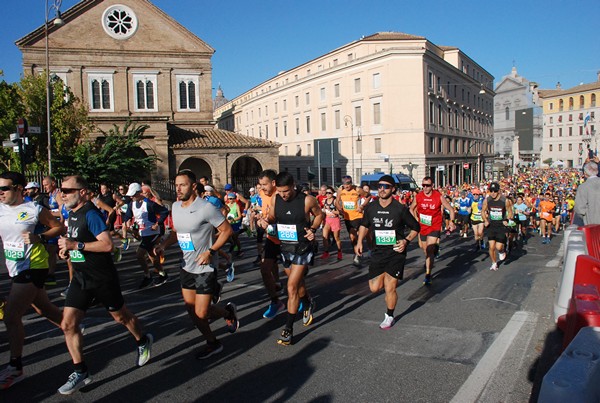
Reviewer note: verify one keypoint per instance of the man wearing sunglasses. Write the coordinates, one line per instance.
(387, 218)
(496, 211)
(348, 202)
(546, 215)
(27, 263)
(90, 247)
(427, 208)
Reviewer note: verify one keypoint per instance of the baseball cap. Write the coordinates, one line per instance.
(231, 195)
(495, 187)
(32, 185)
(208, 188)
(252, 190)
(388, 179)
(228, 186)
(133, 189)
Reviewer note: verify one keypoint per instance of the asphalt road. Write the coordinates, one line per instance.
(474, 335)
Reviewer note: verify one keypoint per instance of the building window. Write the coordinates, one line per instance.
(570, 103)
(357, 85)
(440, 115)
(336, 90)
(101, 92)
(430, 80)
(145, 92)
(432, 145)
(307, 98)
(581, 101)
(431, 112)
(507, 113)
(285, 128)
(276, 129)
(560, 147)
(570, 147)
(581, 130)
(323, 122)
(286, 150)
(593, 101)
(322, 92)
(440, 148)
(337, 117)
(560, 132)
(377, 113)
(378, 145)
(308, 124)
(570, 131)
(551, 133)
(551, 119)
(308, 149)
(357, 116)
(297, 100)
(297, 126)
(285, 105)
(549, 147)
(188, 93)
(376, 81)
(561, 105)
(120, 22)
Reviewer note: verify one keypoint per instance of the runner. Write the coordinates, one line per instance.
(145, 213)
(496, 212)
(90, 246)
(332, 224)
(387, 218)
(291, 211)
(27, 263)
(546, 209)
(348, 203)
(463, 205)
(427, 209)
(194, 221)
(521, 218)
(51, 188)
(476, 219)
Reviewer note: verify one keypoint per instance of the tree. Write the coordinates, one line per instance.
(11, 109)
(114, 157)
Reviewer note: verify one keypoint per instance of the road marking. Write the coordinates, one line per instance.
(472, 389)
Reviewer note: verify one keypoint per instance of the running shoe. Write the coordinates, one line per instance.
(286, 337)
(117, 256)
(501, 256)
(273, 309)
(427, 280)
(465, 235)
(146, 282)
(9, 376)
(161, 279)
(307, 315)
(339, 255)
(325, 255)
(230, 272)
(217, 295)
(494, 267)
(144, 351)
(232, 324)
(76, 381)
(126, 244)
(64, 292)
(210, 350)
(356, 261)
(50, 280)
(388, 322)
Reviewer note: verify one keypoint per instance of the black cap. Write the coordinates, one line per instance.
(388, 179)
(495, 187)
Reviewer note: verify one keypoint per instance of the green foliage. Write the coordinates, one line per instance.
(548, 161)
(114, 158)
(11, 110)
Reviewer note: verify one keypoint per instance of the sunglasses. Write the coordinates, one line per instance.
(69, 190)
(426, 185)
(328, 193)
(7, 188)
(384, 186)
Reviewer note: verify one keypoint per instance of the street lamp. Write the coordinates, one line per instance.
(57, 22)
(347, 119)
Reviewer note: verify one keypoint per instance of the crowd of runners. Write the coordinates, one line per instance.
(291, 227)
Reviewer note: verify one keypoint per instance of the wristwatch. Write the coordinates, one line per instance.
(80, 245)
(212, 251)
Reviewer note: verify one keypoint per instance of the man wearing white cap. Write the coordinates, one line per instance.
(32, 193)
(149, 216)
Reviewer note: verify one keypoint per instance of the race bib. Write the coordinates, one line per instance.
(287, 232)
(14, 251)
(385, 237)
(76, 256)
(185, 242)
(546, 216)
(425, 219)
(496, 215)
(476, 217)
(463, 208)
(349, 205)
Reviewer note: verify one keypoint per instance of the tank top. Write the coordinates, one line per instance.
(476, 210)
(429, 209)
(266, 208)
(497, 211)
(350, 204)
(140, 215)
(291, 219)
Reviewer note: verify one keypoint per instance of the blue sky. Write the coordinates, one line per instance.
(549, 41)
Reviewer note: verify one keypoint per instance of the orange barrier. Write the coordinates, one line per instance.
(592, 239)
(584, 310)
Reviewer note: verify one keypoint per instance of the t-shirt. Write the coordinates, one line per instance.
(388, 223)
(349, 200)
(195, 225)
(429, 210)
(546, 208)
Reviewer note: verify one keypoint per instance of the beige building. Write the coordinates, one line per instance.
(570, 124)
(389, 101)
(128, 60)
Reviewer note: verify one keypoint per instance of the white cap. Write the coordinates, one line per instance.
(252, 189)
(208, 188)
(133, 189)
(32, 185)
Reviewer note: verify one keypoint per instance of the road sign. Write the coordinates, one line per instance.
(22, 126)
(8, 144)
(35, 130)
(466, 165)
(440, 168)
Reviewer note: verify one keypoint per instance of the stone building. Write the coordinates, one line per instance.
(128, 60)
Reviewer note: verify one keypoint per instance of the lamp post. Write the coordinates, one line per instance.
(347, 119)
(359, 138)
(58, 22)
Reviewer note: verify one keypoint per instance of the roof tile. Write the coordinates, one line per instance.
(180, 138)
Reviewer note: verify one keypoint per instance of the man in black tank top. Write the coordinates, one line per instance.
(291, 210)
(496, 211)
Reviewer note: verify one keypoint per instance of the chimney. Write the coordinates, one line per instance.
(558, 87)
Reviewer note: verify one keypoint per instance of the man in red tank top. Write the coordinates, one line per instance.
(427, 207)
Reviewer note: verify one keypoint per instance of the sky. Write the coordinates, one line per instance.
(548, 41)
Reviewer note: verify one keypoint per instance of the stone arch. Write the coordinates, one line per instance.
(198, 166)
(244, 173)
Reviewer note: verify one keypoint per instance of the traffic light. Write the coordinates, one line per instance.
(310, 174)
(28, 153)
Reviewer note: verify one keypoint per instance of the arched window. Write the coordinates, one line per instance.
(507, 113)
(581, 102)
(570, 103)
(561, 105)
(593, 100)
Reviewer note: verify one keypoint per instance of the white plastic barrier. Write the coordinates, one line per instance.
(564, 288)
(572, 232)
(575, 376)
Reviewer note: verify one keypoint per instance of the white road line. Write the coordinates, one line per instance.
(471, 390)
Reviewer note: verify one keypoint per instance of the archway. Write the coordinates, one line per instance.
(198, 166)
(244, 173)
